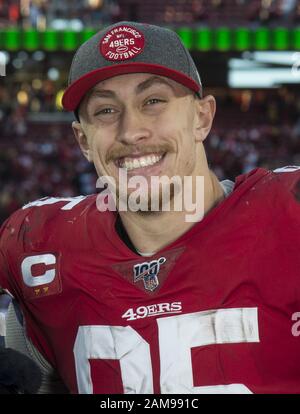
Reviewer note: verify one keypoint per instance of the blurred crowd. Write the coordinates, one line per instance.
(37, 160)
(57, 14)
(254, 129)
(89, 13)
(251, 128)
(230, 12)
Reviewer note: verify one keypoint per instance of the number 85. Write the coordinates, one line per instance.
(177, 335)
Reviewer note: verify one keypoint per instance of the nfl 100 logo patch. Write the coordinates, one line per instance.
(149, 276)
(148, 272)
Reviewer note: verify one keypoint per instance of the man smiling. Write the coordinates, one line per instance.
(149, 126)
(141, 301)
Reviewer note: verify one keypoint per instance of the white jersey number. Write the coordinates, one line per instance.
(177, 335)
(72, 202)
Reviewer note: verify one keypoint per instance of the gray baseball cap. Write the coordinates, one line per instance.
(129, 47)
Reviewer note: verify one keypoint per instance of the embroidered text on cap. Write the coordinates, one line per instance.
(122, 43)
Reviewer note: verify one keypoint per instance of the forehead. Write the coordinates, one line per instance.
(130, 78)
(134, 83)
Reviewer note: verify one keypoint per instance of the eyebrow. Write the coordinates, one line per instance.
(151, 81)
(105, 93)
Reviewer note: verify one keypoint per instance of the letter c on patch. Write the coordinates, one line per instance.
(47, 277)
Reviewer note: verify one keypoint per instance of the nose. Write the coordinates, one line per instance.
(133, 128)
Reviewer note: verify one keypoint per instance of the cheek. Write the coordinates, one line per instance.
(98, 146)
(179, 133)
(186, 152)
(188, 159)
(98, 153)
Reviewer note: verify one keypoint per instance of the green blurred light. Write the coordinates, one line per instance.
(186, 36)
(12, 39)
(242, 39)
(204, 39)
(31, 39)
(70, 40)
(50, 40)
(2, 39)
(86, 34)
(281, 38)
(223, 39)
(262, 39)
(296, 39)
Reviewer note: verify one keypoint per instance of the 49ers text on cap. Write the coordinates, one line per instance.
(122, 43)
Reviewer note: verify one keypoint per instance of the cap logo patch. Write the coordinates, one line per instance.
(122, 43)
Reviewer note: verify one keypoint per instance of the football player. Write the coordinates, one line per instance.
(146, 301)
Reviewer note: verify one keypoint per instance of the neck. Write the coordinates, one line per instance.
(152, 231)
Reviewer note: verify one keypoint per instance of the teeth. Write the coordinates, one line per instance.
(135, 164)
(146, 161)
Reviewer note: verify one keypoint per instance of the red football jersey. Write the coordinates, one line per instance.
(214, 312)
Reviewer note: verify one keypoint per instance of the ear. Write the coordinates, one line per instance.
(205, 112)
(82, 140)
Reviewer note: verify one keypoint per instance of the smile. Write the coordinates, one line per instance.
(131, 163)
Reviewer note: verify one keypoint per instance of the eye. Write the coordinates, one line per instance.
(153, 101)
(105, 111)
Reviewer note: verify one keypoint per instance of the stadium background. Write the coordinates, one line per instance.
(246, 52)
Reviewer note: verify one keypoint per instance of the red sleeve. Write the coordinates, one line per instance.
(28, 230)
(11, 235)
(3, 264)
